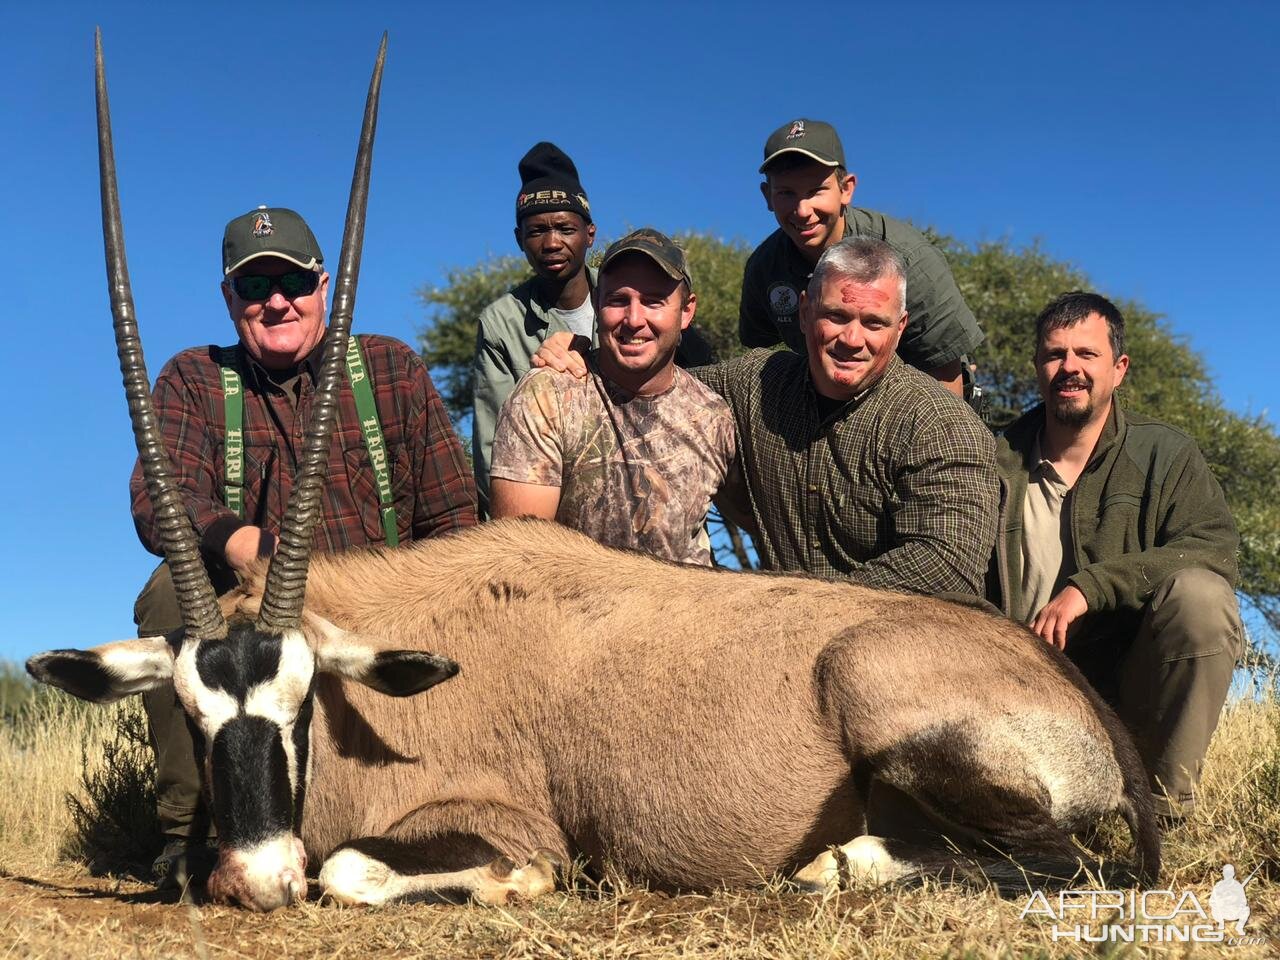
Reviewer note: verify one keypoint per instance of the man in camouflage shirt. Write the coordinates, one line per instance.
(854, 465)
(632, 454)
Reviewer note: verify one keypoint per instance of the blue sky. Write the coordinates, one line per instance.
(1137, 141)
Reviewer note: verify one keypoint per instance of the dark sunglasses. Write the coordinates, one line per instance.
(296, 283)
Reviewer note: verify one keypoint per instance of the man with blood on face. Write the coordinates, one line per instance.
(854, 464)
(809, 190)
(1117, 547)
(235, 484)
(632, 453)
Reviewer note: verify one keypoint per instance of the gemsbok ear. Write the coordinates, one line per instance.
(108, 672)
(397, 673)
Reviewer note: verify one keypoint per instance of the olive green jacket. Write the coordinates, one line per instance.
(1145, 507)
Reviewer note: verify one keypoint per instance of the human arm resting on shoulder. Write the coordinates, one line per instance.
(1195, 530)
(444, 494)
(947, 499)
(564, 352)
(192, 428)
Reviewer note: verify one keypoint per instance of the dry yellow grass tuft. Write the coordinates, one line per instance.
(53, 907)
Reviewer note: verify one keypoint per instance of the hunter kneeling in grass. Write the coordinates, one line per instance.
(1117, 547)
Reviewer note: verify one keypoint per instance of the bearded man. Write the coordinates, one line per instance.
(1116, 545)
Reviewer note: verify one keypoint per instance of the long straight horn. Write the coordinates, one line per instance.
(196, 596)
(287, 576)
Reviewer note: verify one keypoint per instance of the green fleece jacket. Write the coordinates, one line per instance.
(1145, 507)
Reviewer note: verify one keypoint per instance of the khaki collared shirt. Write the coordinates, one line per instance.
(1047, 555)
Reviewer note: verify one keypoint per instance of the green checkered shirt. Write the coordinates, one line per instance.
(896, 489)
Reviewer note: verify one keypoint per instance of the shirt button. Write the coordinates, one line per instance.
(813, 488)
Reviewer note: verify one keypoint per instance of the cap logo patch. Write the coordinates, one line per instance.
(796, 131)
(784, 300)
(543, 196)
(582, 199)
(262, 225)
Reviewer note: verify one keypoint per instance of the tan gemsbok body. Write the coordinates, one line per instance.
(684, 727)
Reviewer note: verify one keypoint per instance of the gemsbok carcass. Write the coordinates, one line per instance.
(684, 727)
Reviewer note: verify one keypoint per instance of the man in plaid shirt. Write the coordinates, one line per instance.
(275, 289)
(855, 465)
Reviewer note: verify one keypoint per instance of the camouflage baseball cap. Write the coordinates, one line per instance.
(658, 247)
(269, 232)
(811, 138)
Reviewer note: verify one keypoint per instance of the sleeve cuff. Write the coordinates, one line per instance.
(214, 542)
(1087, 584)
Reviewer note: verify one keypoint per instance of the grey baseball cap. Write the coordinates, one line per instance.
(269, 232)
(811, 138)
(655, 245)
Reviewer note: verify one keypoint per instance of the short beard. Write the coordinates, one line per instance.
(1072, 416)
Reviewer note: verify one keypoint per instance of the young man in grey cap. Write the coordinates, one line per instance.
(232, 419)
(554, 231)
(809, 190)
(632, 454)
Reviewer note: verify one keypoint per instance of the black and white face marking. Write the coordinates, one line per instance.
(250, 698)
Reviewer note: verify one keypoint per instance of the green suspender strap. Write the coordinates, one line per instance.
(362, 391)
(233, 405)
(373, 442)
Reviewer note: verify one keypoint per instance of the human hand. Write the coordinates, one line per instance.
(247, 545)
(563, 352)
(1055, 618)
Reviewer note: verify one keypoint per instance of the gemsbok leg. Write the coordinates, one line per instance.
(448, 851)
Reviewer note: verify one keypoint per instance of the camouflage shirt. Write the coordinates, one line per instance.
(635, 472)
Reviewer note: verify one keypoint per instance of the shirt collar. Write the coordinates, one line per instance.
(892, 370)
(269, 378)
(1041, 469)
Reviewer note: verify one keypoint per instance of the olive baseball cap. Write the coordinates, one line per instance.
(811, 138)
(269, 232)
(658, 247)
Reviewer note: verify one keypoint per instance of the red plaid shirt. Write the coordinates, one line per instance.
(430, 478)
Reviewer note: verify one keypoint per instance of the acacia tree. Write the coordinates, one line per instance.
(1005, 287)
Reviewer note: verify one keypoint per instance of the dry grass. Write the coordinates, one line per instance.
(54, 907)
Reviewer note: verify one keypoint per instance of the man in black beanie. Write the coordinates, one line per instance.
(554, 231)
